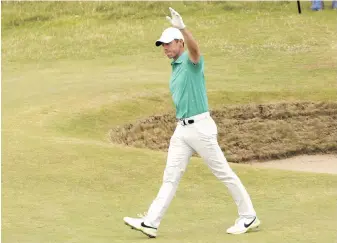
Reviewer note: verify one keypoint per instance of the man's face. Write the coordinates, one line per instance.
(173, 49)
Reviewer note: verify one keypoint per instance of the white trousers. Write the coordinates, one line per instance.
(201, 137)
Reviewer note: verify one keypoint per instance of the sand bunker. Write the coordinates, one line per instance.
(307, 163)
(250, 132)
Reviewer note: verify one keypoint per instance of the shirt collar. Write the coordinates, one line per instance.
(180, 58)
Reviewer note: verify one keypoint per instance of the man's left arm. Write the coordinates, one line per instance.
(177, 21)
(192, 45)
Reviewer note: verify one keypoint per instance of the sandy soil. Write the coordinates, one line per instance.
(309, 163)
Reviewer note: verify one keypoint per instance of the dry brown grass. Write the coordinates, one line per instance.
(250, 132)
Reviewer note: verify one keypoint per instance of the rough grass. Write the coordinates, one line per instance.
(59, 30)
(250, 132)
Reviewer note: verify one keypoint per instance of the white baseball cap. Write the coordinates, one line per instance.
(169, 35)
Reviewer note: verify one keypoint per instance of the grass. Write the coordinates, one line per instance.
(73, 70)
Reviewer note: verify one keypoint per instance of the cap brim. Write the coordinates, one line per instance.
(162, 40)
(158, 43)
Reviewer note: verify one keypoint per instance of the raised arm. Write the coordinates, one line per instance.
(193, 48)
(192, 45)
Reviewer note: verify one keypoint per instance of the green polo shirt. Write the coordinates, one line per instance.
(187, 86)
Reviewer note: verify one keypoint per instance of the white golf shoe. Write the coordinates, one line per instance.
(243, 225)
(138, 224)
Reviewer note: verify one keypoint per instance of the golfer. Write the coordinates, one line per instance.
(195, 131)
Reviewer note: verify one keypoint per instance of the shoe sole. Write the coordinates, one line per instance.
(148, 235)
(257, 228)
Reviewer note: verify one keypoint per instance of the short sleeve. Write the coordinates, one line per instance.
(196, 66)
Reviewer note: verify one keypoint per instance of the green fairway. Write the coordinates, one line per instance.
(71, 71)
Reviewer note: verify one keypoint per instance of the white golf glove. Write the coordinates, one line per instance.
(176, 20)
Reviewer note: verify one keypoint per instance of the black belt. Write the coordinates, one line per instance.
(188, 122)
